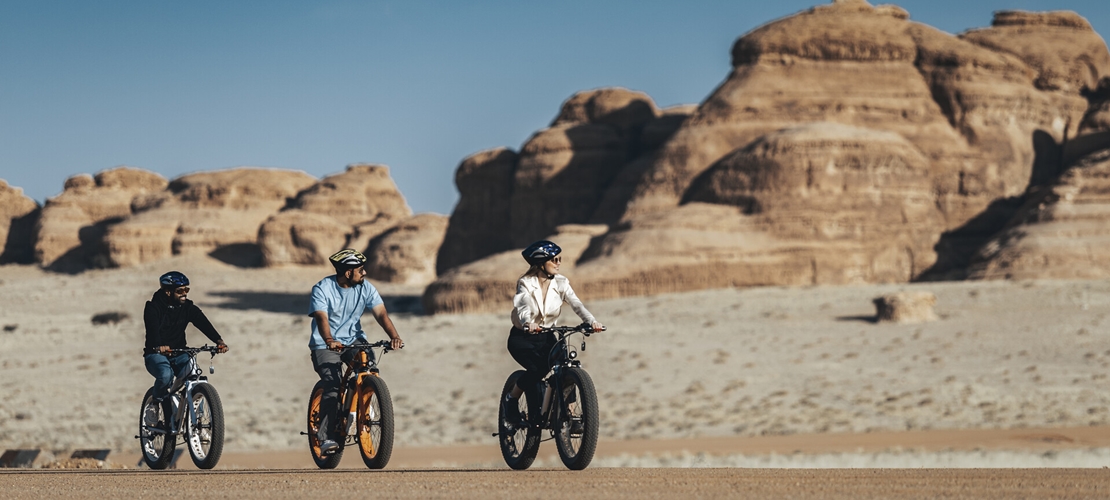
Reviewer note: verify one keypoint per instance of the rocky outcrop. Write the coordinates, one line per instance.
(488, 285)
(579, 170)
(70, 229)
(18, 214)
(203, 213)
(1061, 232)
(848, 144)
(406, 253)
(345, 210)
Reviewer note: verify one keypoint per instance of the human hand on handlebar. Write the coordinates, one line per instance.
(533, 328)
(597, 326)
(396, 343)
(334, 345)
(221, 348)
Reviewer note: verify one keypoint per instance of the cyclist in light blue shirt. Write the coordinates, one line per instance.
(338, 302)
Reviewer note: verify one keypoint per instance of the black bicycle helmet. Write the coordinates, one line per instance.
(347, 259)
(541, 251)
(173, 279)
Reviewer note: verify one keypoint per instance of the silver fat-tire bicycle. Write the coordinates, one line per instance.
(197, 420)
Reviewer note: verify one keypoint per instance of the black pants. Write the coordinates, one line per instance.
(532, 352)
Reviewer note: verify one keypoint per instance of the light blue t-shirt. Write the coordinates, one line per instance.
(344, 307)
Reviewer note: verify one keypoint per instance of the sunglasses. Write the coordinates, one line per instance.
(557, 260)
(181, 291)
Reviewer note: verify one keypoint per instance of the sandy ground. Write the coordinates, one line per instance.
(593, 483)
(723, 363)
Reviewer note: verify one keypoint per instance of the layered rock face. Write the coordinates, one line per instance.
(406, 253)
(202, 213)
(570, 173)
(340, 211)
(1063, 231)
(72, 224)
(18, 214)
(848, 144)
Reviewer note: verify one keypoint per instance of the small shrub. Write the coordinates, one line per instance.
(106, 318)
(10, 328)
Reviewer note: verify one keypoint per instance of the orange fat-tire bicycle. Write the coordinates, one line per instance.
(365, 413)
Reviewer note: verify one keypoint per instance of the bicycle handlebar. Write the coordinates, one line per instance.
(387, 344)
(585, 329)
(195, 350)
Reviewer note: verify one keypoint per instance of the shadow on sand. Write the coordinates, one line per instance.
(298, 303)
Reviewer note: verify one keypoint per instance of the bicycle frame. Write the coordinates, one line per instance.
(363, 364)
(184, 385)
(561, 357)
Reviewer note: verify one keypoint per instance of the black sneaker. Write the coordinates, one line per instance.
(513, 418)
(577, 426)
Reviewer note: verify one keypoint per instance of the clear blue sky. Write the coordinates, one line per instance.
(178, 87)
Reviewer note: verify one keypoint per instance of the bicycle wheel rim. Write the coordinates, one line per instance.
(370, 423)
(152, 442)
(200, 431)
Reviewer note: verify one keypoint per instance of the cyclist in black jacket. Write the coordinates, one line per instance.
(166, 315)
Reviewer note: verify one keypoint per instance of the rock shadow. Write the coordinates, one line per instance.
(297, 304)
(864, 318)
(244, 255)
(19, 247)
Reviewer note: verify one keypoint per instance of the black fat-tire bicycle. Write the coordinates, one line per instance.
(365, 414)
(568, 408)
(197, 420)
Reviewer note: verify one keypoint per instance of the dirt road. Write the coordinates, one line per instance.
(593, 483)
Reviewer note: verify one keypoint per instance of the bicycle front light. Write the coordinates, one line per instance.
(572, 354)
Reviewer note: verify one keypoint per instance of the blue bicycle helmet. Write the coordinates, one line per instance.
(173, 279)
(541, 251)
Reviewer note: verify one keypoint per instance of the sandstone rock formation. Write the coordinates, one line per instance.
(906, 307)
(569, 173)
(406, 253)
(1061, 232)
(848, 144)
(488, 285)
(18, 214)
(203, 213)
(345, 210)
(71, 226)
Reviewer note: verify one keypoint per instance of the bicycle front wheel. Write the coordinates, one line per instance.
(519, 441)
(576, 429)
(315, 415)
(206, 432)
(157, 445)
(375, 422)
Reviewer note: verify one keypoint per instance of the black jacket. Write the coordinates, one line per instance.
(166, 320)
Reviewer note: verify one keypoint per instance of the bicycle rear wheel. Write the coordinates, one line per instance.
(206, 433)
(375, 419)
(315, 414)
(576, 428)
(156, 444)
(519, 441)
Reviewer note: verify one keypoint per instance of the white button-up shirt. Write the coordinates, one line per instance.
(529, 305)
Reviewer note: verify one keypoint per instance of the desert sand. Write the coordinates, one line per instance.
(728, 364)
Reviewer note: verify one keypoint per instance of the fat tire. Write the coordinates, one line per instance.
(375, 455)
(216, 448)
(165, 454)
(322, 461)
(578, 459)
(525, 453)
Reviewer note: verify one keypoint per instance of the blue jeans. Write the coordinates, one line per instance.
(163, 368)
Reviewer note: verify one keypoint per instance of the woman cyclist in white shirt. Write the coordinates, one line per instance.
(540, 294)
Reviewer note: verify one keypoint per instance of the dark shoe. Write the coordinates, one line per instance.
(328, 447)
(513, 418)
(577, 427)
